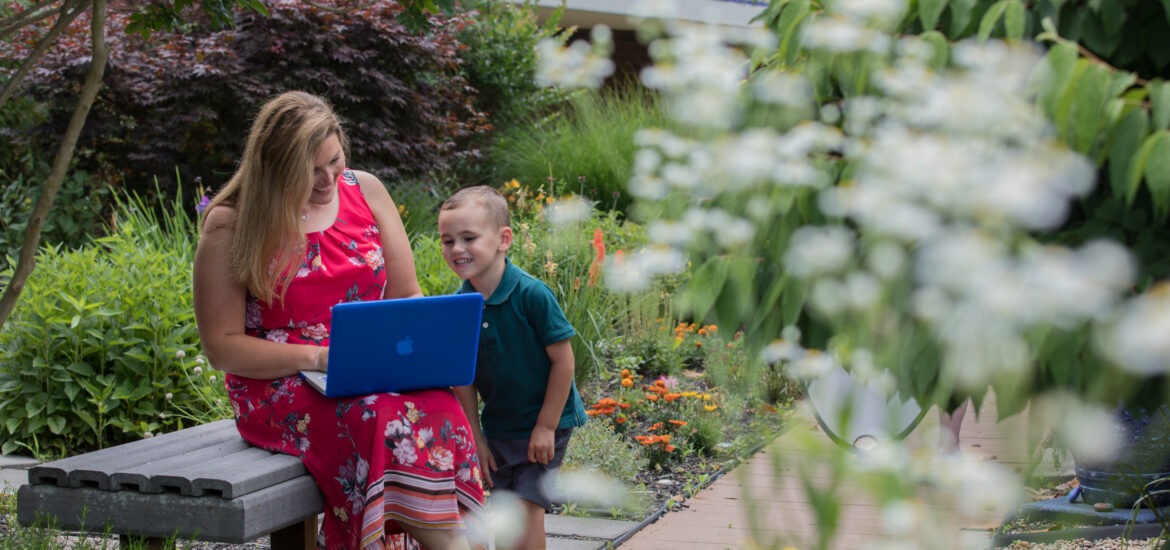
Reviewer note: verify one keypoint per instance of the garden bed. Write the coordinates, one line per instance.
(1050, 522)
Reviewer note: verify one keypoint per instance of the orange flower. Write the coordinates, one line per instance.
(626, 373)
(653, 397)
(657, 426)
(599, 246)
(679, 423)
(671, 397)
(620, 420)
(627, 383)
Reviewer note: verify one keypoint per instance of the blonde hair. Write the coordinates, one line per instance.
(495, 205)
(271, 185)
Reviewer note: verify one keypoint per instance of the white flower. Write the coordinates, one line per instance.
(818, 250)
(169, 396)
(569, 210)
(197, 370)
(180, 354)
(1136, 339)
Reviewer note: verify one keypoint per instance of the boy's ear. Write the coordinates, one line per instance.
(505, 238)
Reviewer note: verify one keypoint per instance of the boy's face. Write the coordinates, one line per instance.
(471, 242)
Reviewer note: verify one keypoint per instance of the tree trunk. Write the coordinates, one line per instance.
(32, 233)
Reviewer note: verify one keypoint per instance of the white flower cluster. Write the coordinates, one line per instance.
(701, 72)
(580, 65)
(1136, 338)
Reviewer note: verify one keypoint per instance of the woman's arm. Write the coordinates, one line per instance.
(401, 280)
(220, 303)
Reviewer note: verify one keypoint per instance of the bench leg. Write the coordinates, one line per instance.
(299, 536)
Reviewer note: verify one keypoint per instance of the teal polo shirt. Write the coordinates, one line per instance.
(520, 319)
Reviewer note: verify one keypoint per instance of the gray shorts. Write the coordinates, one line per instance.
(523, 478)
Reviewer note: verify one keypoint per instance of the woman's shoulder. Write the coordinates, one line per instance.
(372, 189)
(219, 218)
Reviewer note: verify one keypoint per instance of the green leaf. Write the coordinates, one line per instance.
(706, 285)
(961, 11)
(11, 424)
(1160, 103)
(34, 406)
(1080, 107)
(991, 19)
(1124, 140)
(1166, 9)
(1157, 172)
(71, 391)
(1015, 17)
(929, 11)
(1138, 166)
(56, 424)
(81, 368)
(1052, 76)
(788, 29)
(942, 48)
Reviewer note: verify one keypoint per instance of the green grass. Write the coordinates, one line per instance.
(587, 148)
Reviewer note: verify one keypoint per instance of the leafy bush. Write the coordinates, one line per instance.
(94, 356)
(80, 203)
(500, 59)
(595, 446)
(186, 99)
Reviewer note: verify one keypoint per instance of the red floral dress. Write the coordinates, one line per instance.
(379, 458)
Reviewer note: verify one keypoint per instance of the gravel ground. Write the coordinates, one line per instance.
(1082, 544)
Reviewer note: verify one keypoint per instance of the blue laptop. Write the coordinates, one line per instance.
(401, 345)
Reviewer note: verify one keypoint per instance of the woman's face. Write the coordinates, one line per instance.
(328, 164)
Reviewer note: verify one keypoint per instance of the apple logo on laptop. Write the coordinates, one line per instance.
(405, 346)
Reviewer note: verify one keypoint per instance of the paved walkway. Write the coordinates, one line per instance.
(722, 516)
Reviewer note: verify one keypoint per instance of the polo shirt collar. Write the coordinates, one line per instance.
(508, 282)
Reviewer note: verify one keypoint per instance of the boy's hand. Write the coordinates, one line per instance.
(541, 445)
(487, 463)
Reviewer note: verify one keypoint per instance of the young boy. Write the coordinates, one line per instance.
(524, 373)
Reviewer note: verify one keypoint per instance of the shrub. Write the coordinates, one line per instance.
(187, 99)
(499, 59)
(94, 356)
(80, 204)
(595, 446)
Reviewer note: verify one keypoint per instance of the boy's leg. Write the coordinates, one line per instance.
(526, 480)
(534, 535)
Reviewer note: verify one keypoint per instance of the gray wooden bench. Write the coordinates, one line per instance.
(203, 483)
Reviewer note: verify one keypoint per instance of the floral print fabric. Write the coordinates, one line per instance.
(379, 459)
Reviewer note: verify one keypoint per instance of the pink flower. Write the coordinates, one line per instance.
(316, 332)
(669, 382)
(442, 459)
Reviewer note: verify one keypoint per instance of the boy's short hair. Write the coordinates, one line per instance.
(485, 196)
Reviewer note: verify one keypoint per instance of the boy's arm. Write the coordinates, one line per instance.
(541, 445)
(469, 400)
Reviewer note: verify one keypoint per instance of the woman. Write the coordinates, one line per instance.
(291, 234)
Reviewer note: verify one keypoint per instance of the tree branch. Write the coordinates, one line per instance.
(43, 45)
(32, 233)
(30, 15)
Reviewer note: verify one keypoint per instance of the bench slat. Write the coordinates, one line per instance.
(141, 477)
(94, 469)
(235, 475)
